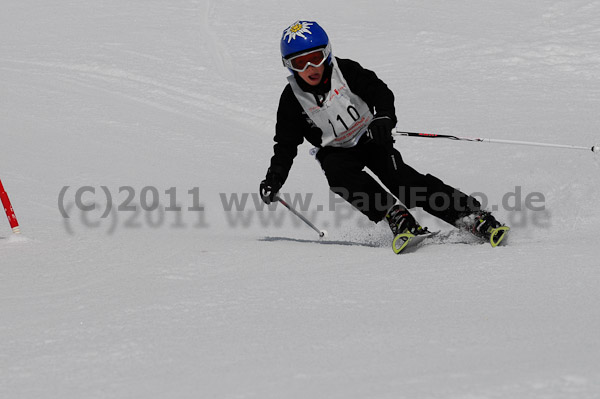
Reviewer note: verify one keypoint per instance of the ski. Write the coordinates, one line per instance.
(497, 235)
(406, 240)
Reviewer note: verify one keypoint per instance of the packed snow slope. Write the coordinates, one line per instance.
(133, 137)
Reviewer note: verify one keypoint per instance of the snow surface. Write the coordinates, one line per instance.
(249, 304)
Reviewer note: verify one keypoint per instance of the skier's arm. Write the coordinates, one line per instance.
(370, 88)
(288, 134)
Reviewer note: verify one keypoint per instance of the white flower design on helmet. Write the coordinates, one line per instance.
(297, 29)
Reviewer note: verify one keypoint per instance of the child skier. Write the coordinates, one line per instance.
(348, 113)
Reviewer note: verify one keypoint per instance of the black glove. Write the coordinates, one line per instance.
(380, 130)
(270, 187)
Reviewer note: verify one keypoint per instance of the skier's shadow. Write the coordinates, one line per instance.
(322, 242)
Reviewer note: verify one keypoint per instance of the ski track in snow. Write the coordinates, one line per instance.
(139, 88)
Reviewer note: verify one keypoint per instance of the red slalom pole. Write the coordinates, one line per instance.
(10, 213)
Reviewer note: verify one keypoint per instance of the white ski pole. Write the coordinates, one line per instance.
(322, 233)
(595, 148)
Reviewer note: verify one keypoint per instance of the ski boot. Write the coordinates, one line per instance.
(405, 228)
(483, 224)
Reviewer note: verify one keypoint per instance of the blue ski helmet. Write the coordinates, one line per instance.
(302, 36)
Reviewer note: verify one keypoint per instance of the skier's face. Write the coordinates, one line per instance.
(312, 75)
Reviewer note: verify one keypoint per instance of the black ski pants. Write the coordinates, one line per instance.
(346, 175)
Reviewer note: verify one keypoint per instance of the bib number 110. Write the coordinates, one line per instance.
(352, 112)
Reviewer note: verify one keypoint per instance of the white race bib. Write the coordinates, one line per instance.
(343, 117)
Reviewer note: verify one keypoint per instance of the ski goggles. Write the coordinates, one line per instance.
(301, 62)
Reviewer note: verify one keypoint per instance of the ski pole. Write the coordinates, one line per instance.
(10, 213)
(595, 148)
(322, 233)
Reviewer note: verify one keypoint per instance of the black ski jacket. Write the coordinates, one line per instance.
(293, 125)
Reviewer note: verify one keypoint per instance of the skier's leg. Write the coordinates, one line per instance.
(415, 189)
(343, 168)
(451, 205)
